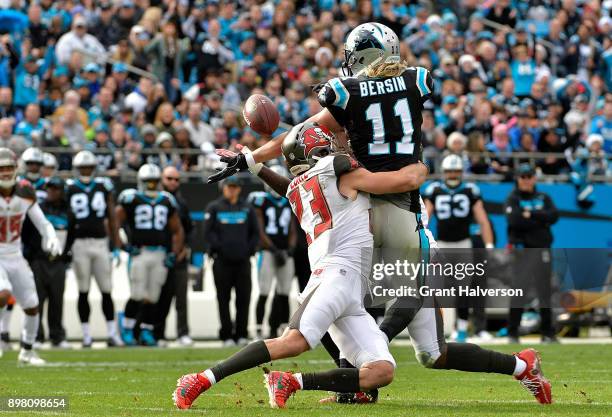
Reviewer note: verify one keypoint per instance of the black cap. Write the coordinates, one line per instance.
(525, 169)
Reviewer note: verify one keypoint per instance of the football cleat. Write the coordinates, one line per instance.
(114, 341)
(188, 388)
(532, 379)
(146, 338)
(368, 397)
(127, 335)
(30, 357)
(87, 342)
(280, 386)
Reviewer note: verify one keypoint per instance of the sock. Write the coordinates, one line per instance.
(107, 306)
(5, 323)
(132, 307)
(469, 357)
(337, 380)
(299, 379)
(520, 366)
(128, 323)
(462, 325)
(86, 331)
(148, 315)
(250, 356)
(260, 310)
(280, 311)
(30, 329)
(111, 328)
(83, 307)
(210, 376)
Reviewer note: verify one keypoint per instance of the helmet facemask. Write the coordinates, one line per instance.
(452, 178)
(8, 173)
(86, 173)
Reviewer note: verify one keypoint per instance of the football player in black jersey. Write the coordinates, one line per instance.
(150, 215)
(379, 107)
(456, 205)
(92, 205)
(278, 237)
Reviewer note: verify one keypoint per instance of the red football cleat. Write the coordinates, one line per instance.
(533, 379)
(280, 385)
(188, 388)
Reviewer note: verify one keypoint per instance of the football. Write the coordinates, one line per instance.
(261, 114)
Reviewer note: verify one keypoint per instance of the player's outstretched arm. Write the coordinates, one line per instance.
(237, 162)
(277, 182)
(50, 243)
(406, 179)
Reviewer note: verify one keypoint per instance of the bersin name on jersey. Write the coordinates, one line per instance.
(374, 88)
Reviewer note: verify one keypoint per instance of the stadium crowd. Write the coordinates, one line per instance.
(528, 76)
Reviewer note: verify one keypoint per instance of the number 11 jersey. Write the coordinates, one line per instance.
(382, 117)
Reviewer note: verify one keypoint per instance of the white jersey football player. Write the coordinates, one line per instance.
(19, 201)
(328, 198)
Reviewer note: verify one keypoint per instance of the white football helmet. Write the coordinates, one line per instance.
(49, 160)
(280, 170)
(85, 163)
(32, 158)
(149, 176)
(8, 168)
(369, 44)
(452, 167)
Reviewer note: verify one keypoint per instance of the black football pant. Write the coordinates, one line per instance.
(174, 287)
(302, 266)
(234, 275)
(50, 277)
(532, 269)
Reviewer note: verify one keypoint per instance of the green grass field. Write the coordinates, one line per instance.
(139, 382)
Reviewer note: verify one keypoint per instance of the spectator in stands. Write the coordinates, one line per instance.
(231, 234)
(16, 143)
(138, 99)
(33, 128)
(73, 129)
(603, 124)
(76, 39)
(501, 164)
(199, 131)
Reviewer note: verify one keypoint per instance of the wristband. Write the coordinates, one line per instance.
(490, 246)
(254, 167)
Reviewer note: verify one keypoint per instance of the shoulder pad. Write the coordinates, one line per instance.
(334, 93)
(25, 190)
(127, 196)
(257, 198)
(474, 188)
(106, 182)
(431, 188)
(170, 198)
(344, 163)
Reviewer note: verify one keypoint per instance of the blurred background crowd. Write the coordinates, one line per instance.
(163, 81)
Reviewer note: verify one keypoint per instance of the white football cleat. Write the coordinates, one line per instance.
(485, 336)
(185, 340)
(30, 357)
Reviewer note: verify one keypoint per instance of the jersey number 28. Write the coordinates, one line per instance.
(147, 217)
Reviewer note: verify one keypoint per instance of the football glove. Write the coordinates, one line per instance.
(131, 250)
(170, 260)
(52, 245)
(235, 162)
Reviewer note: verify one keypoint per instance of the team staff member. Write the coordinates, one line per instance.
(176, 282)
(50, 272)
(232, 235)
(530, 214)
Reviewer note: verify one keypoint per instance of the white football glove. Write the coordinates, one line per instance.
(52, 246)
